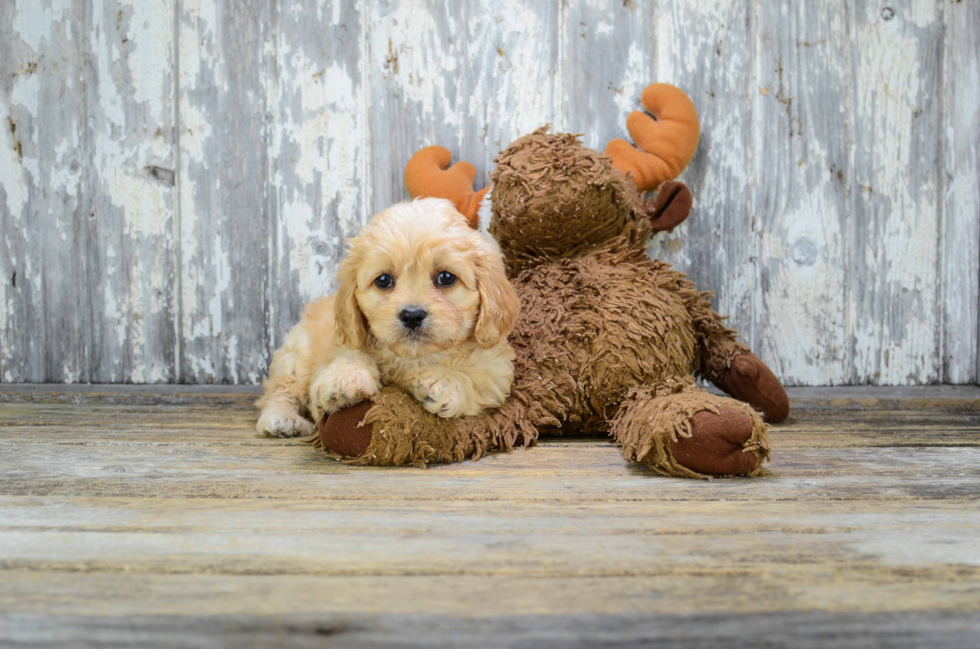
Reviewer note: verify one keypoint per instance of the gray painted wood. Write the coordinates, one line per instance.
(894, 288)
(319, 153)
(804, 630)
(470, 75)
(177, 177)
(227, 198)
(86, 175)
(719, 247)
(803, 143)
(961, 197)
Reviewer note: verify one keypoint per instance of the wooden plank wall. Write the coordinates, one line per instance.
(177, 177)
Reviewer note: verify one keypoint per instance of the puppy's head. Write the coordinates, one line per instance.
(420, 280)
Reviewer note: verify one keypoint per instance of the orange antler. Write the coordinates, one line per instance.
(428, 174)
(665, 143)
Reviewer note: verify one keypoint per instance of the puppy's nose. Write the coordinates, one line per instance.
(413, 317)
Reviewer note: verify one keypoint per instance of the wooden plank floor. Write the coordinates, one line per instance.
(154, 516)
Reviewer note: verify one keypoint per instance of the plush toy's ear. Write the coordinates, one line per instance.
(348, 319)
(670, 207)
(665, 142)
(428, 174)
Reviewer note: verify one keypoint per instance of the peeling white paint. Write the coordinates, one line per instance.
(961, 202)
(34, 20)
(328, 135)
(12, 177)
(830, 282)
(638, 75)
(896, 338)
(418, 57)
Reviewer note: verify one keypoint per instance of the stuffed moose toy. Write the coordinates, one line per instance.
(608, 341)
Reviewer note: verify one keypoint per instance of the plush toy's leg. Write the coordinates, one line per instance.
(393, 429)
(681, 430)
(730, 364)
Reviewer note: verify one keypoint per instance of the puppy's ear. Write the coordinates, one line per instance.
(498, 300)
(348, 319)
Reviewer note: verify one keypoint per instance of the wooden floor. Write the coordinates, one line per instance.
(156, 517)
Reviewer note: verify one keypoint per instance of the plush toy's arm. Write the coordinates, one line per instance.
(729, 364)
(393, 429)
(665, 142)
(428, 174)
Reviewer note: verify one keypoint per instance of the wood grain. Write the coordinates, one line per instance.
(319, 157)
(154, 516)
(87, 159)
(177, 179)
(529, 627)
(894, 257)
(961, 199)
(462, 74)
(227, 204)
(803, 101)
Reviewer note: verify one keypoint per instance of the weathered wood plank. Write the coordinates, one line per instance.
(318, 152)
(467, 75)
(87, 162)
(59, 434)
(533, 626)
(244, 395)
(894, 279)
(837, 218)
(954, 397)
(222, 422)
(227, 206)
(689, 592)
(555, 472)
(802, 161)
(169, 523)
(608, 57)
(714, 64)
(961, 202)
(165, 536)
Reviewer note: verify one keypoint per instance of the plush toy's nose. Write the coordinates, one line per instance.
(413, 317)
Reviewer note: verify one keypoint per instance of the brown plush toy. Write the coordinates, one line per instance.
(608, 340)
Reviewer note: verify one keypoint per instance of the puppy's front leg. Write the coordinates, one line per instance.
(444, 392)
(350, 377)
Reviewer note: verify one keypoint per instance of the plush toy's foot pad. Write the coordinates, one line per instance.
(341, 432)
(716, 443)
(751, 381)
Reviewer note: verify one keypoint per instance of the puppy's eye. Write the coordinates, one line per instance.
(384, 280)
(445, 278)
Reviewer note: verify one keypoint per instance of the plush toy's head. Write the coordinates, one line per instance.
(554, 197)
(551, 196)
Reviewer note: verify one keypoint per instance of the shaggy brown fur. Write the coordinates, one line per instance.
(607, 341)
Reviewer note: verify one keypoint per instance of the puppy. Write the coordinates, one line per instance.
(423, 304)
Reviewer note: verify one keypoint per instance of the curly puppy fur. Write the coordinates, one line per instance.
(424, 304)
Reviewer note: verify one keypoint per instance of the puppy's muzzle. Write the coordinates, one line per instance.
(413, 317)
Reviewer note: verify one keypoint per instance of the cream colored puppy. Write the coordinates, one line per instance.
(423, 304)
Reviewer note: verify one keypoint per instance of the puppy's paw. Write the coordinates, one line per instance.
(440, 395)
(343, 383)
(281, 423)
